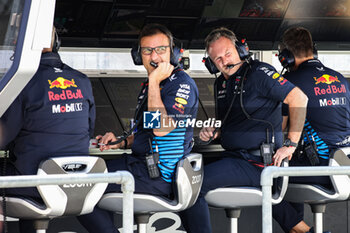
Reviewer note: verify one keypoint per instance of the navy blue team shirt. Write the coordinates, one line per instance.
(328, 109)
(263, 92)
(179, 94)
(54, 115)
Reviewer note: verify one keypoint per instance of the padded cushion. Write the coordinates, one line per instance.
(234, 197)
(312, 194)
(143, 203)
(237, 197)
(25, 208)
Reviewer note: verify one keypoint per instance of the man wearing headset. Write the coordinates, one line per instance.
(327, 124)
(54, 115)
(255, 109)
(172, 96)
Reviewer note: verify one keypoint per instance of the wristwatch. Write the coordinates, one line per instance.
(289, 143)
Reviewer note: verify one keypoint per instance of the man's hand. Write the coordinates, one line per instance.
(162, 72)
(207, 132)
(105, 139)
(282, 153)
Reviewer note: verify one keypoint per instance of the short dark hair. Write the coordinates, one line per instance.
(153, 29)
(298, 40)
(217, 33)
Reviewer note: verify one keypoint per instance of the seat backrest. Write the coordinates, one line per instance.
(280, 185)
(341, 183)
(189, 179)
(72, 199)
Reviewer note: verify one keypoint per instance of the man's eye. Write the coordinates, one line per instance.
(161, 49)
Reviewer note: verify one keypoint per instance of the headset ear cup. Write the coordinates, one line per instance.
(136, 56)
(56, 43)
(286, 58)
(243, 50)
(175, 56)
(210, 65)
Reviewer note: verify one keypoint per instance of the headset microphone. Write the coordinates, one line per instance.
(233, 65)
(152, 63)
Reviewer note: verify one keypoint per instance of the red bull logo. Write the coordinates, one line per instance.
(327, 79)
(62, 83)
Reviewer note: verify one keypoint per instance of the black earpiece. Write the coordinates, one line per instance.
(210, 65)
(56, 43)
(243, 52)
(243, 49)
(175, 55)
(136, 55)
(287, 59)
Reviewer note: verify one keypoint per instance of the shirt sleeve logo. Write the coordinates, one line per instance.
(62, 83)
(281, 80)
(181, 100)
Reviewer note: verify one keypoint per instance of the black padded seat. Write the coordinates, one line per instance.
(233, 199)
(318, 196)
(60, 200)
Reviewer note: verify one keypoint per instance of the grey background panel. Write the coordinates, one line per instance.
(206, 94)
(123, 94)
(115, 100)
(106, 117)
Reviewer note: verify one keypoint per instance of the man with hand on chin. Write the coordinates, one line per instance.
(249, 98)
(170, 96)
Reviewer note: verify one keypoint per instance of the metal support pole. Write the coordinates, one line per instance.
(267, 205)
(142, 228)
(120, 177)
(272, 172)
(128, 188)
(234, 225)
(318, 221)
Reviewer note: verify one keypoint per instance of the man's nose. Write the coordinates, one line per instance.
(154, 55)
(225, 61)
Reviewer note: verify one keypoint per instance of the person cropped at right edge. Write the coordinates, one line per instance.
(327, 124)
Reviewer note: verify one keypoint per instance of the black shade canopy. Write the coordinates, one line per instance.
(116, 23)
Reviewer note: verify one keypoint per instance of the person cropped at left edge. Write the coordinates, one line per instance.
(53, 116)
(168, 96)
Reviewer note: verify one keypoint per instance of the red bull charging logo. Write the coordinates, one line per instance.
(327, 79)
(62, 83)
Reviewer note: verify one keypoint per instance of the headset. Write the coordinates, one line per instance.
(287, 58)
(175, 55)
(243, 52)
(56, 42)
